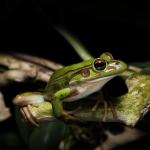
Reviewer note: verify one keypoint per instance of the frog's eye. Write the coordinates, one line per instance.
(99, 64)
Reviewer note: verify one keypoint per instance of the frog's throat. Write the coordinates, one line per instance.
(86, 88)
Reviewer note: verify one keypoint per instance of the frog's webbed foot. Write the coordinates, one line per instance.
(100, 100)
(28, 116)
(67, 116)
(26, 101)
(70, 115)
(107, 104)
(37, 113)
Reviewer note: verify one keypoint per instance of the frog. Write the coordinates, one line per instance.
(72, 83)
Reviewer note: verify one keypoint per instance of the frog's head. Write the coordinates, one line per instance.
(91, 75)
(88, 76)
(99, 69)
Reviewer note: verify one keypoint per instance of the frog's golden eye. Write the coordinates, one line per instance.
(99, 64)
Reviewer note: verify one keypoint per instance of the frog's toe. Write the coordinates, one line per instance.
(28, 116)
(69, 116)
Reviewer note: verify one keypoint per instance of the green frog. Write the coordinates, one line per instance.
(74, 82)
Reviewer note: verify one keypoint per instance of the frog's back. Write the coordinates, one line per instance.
(69, 70)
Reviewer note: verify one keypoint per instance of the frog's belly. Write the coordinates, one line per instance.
(85, 89)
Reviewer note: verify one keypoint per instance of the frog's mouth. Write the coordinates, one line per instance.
(91, 80)
(95, 79)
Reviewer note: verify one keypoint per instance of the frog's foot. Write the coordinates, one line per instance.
(28, 116)
(74, 111)
(112, 109)
(105, 108)
(37, 113)
(25, 101)
(100, 100)
(70, 115)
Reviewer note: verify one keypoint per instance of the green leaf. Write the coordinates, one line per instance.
(48, 136)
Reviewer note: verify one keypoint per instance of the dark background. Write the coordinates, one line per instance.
(122, 28)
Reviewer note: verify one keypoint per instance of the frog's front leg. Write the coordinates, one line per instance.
(36, 113)
(57, 102)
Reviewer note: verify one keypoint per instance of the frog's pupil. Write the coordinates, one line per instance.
(99, 64)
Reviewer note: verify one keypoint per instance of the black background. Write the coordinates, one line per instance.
(122, 28)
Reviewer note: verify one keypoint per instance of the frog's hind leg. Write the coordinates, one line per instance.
(36, 113)
(24, 101)
(27, 115)
(27, 98)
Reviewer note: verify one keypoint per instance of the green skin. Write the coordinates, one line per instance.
(67, 83)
